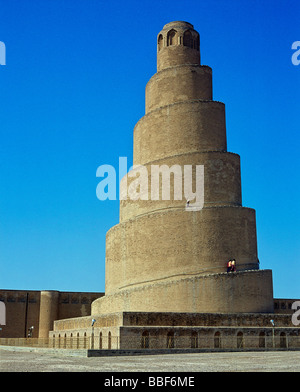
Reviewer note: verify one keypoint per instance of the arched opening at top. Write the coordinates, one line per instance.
(197, 43)
(160, 42)
(172, 37)
(188, 39)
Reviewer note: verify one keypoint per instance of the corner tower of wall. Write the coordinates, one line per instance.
(48, 312)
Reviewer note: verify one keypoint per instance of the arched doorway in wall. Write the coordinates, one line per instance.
(100, 341)
(145, 339)
(262, 340)
(217, 340)
(170, 339)
(109, 341)
(283, 340)
(240, 340)
(194, 340)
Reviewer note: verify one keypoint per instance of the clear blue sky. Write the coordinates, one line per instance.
(71, 94)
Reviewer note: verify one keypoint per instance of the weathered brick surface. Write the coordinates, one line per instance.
(249, 290)
(178, 129)
(39, 309)
(161, 257)
(175, 242)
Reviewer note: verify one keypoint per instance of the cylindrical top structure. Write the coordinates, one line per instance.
(177, 44)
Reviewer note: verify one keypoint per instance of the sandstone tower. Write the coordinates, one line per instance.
(166, 280)
(162, 257)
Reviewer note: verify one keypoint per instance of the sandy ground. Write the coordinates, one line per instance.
(278, 361)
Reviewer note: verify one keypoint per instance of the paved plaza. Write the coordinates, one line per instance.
(271, 361)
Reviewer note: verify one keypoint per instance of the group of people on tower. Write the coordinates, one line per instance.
(231, 266)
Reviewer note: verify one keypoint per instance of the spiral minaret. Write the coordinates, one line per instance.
(163, 256)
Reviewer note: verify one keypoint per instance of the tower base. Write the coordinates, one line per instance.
(171, 330)
(238, 292)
